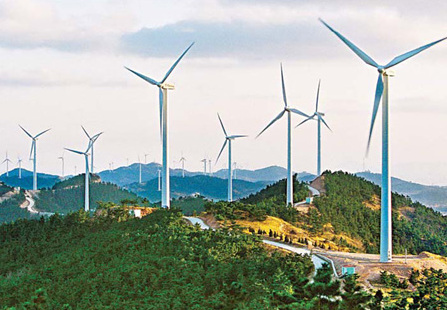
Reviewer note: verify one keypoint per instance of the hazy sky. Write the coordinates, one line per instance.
(62, 66)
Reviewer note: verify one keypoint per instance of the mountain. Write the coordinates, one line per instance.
(68, 195)
(432, 196)
(10, 200)
(26, 182)
(207, 186)
(130, 174)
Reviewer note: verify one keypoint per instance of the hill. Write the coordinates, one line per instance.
(430, 195)
(209, 187)
(348, 215)
(26, 182)
(68, 195)
(10, 200)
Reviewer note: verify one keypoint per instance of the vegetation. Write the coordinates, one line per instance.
(159, 261)
(10, 210)
(415, 227)
(68, 196)
(189, 205)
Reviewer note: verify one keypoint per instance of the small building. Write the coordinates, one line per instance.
(347, 270)
(309, 200)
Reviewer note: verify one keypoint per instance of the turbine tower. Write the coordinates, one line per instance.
(7, 161)
(92, 140)
(228, 140)
(204, 161)
(319, 118)
(209, 167)
(63, 164)
(182, 160)
(87, 176)
(163, 98)
(33, 153)
(19, 162)
(145, 158)
(289, 111)
(382, 90)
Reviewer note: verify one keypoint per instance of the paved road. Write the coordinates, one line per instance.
(314, 191)
(30, 205)
(196, 220)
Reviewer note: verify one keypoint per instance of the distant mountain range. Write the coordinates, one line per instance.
(26, 182)
(127, 175)
(207, 186)
(429, 195)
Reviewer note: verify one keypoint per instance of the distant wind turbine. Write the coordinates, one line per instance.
(163, 93)
(92, 140)
(210, 171)
(63, 164)
(7, 161)
(289, 111)
(204, 161)
(33, 153)
(386, 251)
(87, 176)
(228, 140)
(182, 160)
(19, 162)
(159, 179)
(319, 118)
(145, 158)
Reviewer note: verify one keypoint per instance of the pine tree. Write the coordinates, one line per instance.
(354, 297)
(270, 233)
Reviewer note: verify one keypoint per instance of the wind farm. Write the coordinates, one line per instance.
(292, 216)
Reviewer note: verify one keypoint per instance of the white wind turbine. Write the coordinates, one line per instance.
(33, 153)
(7, 161)
(163, 104)
(289, 111)
(63, 164)
(382, 88)
(319, 117)
(204, 161)
(182, 160)
(87, 176)
(19, 162)
(210, 171)
(92, 140)
(228, 140)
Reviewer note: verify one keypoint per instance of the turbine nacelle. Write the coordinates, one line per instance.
(167, 86)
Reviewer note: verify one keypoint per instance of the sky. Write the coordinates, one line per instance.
(62, 67)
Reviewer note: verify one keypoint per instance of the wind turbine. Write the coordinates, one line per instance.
(145, 158)
(289, 111)
(33, 153)
(19, 162)
(63, 164)
(87, 176)
(7, 161)
(382, 88)
(163, 98)
(139, 164)
(204, 161)
(182, 160)
(228, 140)
(319, 118)
(159, 179)
(92, 140)
(209, 167)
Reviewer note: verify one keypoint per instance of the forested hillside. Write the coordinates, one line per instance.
(68, 195)
(158, 262)
(352, 205)
(9, 206)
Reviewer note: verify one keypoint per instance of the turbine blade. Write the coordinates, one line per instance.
(146, 78)
(221, 150)
(160, 103)
(271, 123)
(26, 132)
(86, 132)
(324, 122)
(221, 124)
(307, 119)
(379, 92)
(237, 136)
(74, 151)
(351, 45)
(296, 111)
(284, 97)
(318, 96)
(409, 54)
(38, 135)
(95, 137)
(176, 63)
